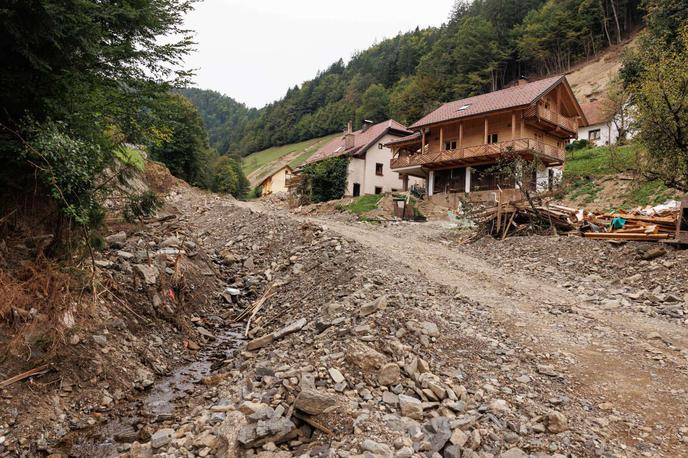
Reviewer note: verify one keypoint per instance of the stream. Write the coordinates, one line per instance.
(169, 398)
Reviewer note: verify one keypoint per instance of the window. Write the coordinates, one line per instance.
(450, 145)
(357, 189)
(378, 190)
(492, 138)
(464, 107)
(594, 135)
(378, 169)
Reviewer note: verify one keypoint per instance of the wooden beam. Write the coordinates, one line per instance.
(461, 134)
(513, 125)
(522, 125)
(486, 127)
(441, 138)
(422, 141)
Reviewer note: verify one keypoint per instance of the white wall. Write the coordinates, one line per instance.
(362, 171)
(608, 133)
(542, 177)
(356, 175)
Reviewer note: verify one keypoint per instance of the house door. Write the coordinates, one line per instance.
(357, 189)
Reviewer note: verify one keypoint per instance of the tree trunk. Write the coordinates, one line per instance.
(616, 20)
(604, 22)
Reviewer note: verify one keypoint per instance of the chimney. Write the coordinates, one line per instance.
(349, 136)
(366, 123)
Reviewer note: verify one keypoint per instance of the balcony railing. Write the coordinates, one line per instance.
(553, 117)
(547, 153)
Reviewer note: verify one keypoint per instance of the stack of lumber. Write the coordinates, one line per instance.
(510, 218)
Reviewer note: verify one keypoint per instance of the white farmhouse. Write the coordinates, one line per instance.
(602, 128)
(369, 160)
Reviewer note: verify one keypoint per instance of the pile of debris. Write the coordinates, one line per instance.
(526, 217)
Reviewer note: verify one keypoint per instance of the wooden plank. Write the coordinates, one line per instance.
(624, 236)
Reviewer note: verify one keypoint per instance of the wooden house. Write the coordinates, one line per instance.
(276, 182)
(457, 146)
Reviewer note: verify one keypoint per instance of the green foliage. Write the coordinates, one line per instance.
(183, 144)
(228, 177)
(602, 160)
(84, 72)
(141, 205)
(363, 204)
(374, 104)
(327, 179)
(130, 157)
(658, 83)
(68, 168)
(577, 145)
(652, 192)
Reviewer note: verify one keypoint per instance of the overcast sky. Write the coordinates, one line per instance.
(255, 50)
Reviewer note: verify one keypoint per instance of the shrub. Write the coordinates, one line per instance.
(327, 179)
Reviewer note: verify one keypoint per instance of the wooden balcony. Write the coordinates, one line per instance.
(556, 120)
(528, 147)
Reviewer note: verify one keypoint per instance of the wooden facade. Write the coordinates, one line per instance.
(464, 145)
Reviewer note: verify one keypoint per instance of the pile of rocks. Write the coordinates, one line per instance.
(639, 276)
(346, 355)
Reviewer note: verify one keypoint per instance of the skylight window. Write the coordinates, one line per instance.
(464, 107)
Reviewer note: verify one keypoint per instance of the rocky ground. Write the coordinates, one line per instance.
(328, 337)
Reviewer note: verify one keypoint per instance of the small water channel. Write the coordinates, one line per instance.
(165, 400)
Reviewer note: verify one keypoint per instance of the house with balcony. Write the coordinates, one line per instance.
(369, 159)
(457, 146)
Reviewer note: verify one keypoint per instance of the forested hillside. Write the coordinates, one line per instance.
(483, 46)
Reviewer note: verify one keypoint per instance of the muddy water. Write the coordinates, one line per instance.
(166, 400)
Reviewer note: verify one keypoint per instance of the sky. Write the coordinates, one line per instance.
(255, 50)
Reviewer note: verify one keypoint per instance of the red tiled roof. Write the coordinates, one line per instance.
(362, 141)
(594, 112)
(512, 97)
(408, 138)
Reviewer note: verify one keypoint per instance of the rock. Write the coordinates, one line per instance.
(161, 437)
(250, 407)
(148, 273)
(389, 374)
(372, 307)
(377, 449)
(314, 402)
(103, 263)
(411, 407)
(556, 422)
(260, 342)
(336, 375)
(458, 437)
(404, 452)
(429, 329)
(171, 242)
(499, 405)
(100, 340)
(439, 433)
(453, 451)
(116, 240)
(364, 357)
(390, 398)
(514, 453)
(654, 253)
(291, 328)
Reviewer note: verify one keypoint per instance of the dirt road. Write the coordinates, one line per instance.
(620, 360)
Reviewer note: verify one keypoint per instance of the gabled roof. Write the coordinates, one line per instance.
(272, 174)
(362, 140)
(513, 97)
(595, 112)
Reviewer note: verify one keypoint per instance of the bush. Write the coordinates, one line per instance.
(229, 178)
(327, 179)
(577, 145)
(69, 169)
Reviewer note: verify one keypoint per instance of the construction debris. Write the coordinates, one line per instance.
(524, 217)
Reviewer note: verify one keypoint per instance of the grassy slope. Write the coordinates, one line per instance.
(603, 177)
(301, 151)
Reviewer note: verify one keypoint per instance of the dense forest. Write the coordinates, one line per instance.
(483, 46)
